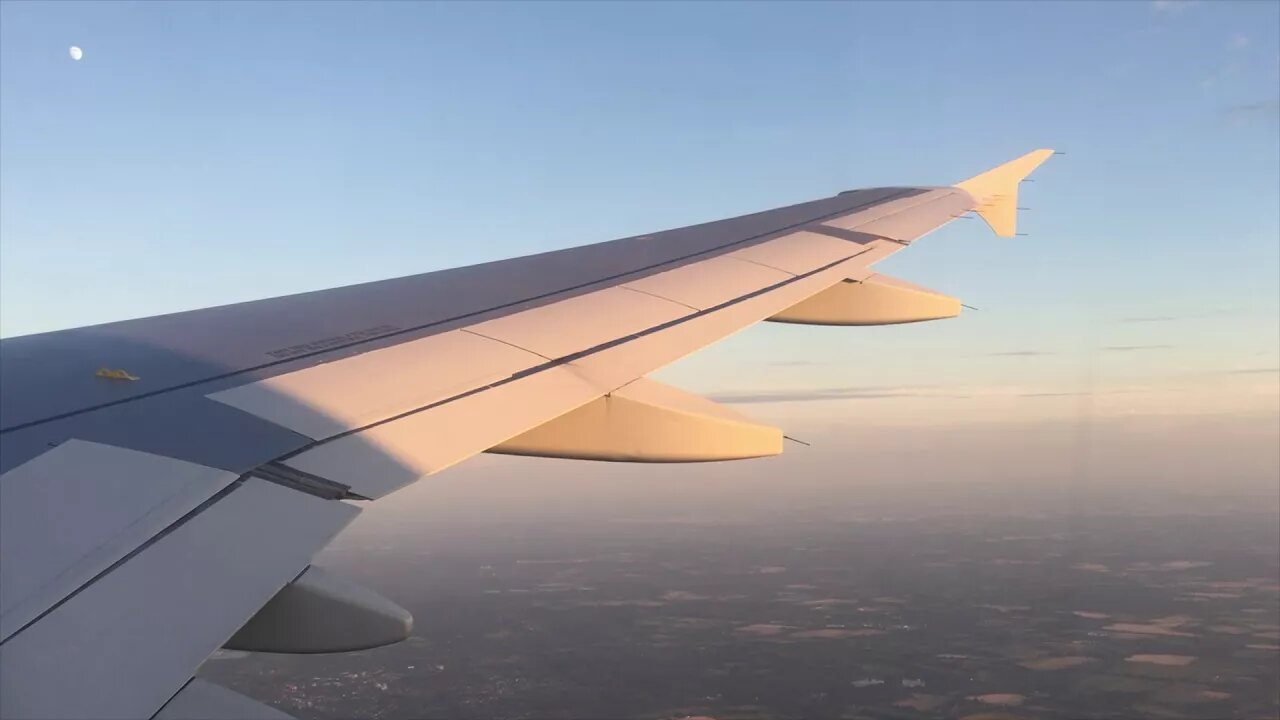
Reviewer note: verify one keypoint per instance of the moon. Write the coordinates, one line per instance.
(75, 52)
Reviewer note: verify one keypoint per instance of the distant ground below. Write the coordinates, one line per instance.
(1059, 613)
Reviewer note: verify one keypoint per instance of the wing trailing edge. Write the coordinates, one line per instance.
(203, 700)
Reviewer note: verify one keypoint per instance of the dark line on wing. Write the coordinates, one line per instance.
(469, 331)
(305, 482)
(624, 286)
(852, 236)
(574, 356)
(179, 692)
(906, 192)
(133, 553)
(764, 265)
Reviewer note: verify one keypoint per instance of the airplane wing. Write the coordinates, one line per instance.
(165, 482)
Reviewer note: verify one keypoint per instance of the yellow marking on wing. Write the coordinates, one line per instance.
(115, 374)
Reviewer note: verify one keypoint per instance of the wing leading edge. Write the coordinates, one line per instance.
(252, 431)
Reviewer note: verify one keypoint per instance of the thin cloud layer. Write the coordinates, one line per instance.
(1263, 110)
(835, 393)
(1090, 393)
(1171, 7)
(919, 392)
(794, 363)
(1135, 348)
(1148, 319)
(1255, 371)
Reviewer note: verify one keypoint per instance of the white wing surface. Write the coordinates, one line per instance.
(165, 482)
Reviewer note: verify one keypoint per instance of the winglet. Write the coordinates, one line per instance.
(996, 191)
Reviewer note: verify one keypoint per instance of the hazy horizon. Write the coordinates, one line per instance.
(1065, 499)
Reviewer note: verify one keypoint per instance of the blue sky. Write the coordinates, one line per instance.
(205, 153)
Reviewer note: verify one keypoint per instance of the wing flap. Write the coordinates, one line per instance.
(906, 219)
(110, 501)
(709, 283)
(346, 394)
(392, 454)
(570, 326)
(612, 367)
(203, 700)
(154, 618)
(797, 253)
(389, 455)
